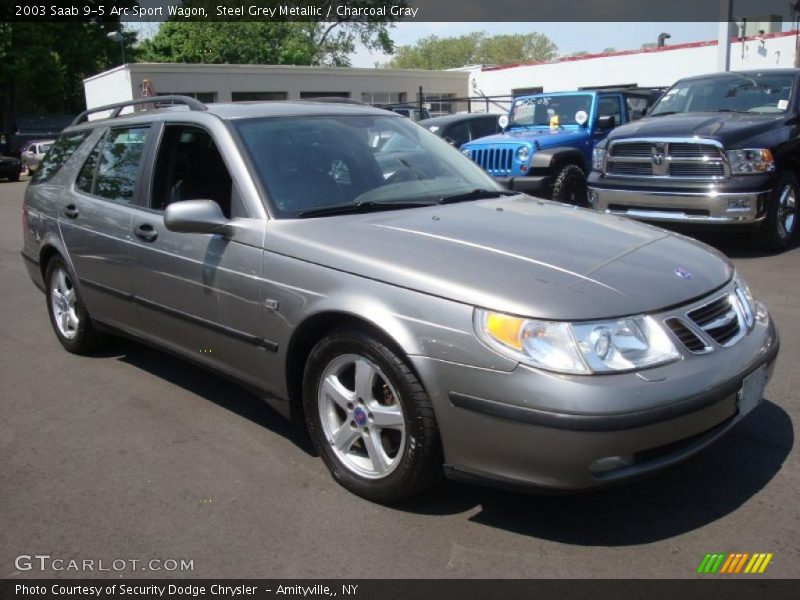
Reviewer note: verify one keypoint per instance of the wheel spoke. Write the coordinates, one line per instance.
(376, 453)
(365, 376)
(345, 436)
(333, 389)
(390, 417)
(70, 296)
(62, 282)
(63, 318)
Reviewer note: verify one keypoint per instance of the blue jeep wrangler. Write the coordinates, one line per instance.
(546, 147)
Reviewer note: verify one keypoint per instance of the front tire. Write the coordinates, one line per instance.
(569, 186)
(370, 418)
(779, 230)
(68, 316)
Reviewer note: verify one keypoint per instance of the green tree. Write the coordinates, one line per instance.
(238, 41)
(43, 64)
(433, 52)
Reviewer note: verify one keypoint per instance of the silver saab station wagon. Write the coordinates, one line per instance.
(418, 317)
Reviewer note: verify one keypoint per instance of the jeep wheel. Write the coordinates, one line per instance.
(370, 418)
(779, 230)
(570, 186)
(68, 316)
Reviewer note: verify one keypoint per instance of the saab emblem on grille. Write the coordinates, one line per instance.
(682, 273)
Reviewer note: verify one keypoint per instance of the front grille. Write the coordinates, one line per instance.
(687, 337)
(697, 169)
(497, 161)
(721, 319)
(632, 149)
(665, 159)
(630, 168)
(692, 150)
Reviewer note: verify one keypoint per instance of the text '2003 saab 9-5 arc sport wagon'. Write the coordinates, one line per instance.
(421, 319)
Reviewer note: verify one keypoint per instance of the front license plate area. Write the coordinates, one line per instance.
(752, 391)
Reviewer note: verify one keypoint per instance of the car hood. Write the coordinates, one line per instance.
(728, 128)
(543, 137)
(517, 254)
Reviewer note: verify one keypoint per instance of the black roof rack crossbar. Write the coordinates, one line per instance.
(115, 109)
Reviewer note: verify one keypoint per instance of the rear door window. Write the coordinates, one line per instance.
(62, 149)
(112, 168)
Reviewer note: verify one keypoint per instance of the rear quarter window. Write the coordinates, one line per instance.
(64, 147)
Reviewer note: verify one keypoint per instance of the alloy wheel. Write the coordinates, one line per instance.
(787, 211)
(361, 416)
(64, 300)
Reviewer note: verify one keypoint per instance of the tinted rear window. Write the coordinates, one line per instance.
(59, 153)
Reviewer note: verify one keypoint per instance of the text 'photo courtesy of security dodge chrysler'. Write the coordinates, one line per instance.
(716, 150)
(418, 317)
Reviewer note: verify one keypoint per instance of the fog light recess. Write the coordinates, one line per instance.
(610, 463)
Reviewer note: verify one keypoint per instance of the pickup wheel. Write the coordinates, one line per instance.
(570, 186)
(370, 418)
(68, 316)
(779, 230)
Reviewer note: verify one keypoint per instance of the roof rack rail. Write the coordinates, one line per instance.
(115, 109)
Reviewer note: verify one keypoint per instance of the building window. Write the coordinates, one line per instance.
(205, 97)
(258, 96)
(306, 95)
(439, 103)
(382, 98)
(528, 91)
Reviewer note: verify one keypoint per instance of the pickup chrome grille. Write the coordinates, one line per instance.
(721, 319)
(497, 160)
(666, 158)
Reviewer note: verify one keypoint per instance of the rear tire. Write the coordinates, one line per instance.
(569, 186)
(370, 418)
(71, 323)
(779, 229)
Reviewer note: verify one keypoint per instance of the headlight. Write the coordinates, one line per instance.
(465, 151)
(598, 158)
(582, 348)
(745, 297)
(751, 161)
(523, 153)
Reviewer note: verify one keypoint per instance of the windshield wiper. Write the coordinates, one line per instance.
(476, 194)
(358, 207)
(726, 110)
(661, 114)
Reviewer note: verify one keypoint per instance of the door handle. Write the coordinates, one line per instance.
(146, 232)
(70, 211)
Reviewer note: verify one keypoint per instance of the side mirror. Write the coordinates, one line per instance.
(606, 122)
(195, 216)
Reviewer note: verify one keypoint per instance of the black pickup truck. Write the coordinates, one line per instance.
(720, 149)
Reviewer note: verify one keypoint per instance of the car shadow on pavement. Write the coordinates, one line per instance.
(685, 497)
(213, 387)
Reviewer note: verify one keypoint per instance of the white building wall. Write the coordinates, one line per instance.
(223, 80)
(657, 67)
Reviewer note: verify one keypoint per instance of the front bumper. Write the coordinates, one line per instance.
(507, 429)
(711, 207)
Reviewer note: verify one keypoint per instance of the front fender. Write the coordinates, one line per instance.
(548, 158)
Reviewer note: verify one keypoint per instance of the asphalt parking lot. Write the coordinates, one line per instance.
(133, 454)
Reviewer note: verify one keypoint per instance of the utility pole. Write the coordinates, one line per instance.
(724, 35)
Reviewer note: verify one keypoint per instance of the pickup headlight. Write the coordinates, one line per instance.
(598, 159)
(751, 161)
(582, 348)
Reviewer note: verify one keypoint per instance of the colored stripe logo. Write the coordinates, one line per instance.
(741, 562)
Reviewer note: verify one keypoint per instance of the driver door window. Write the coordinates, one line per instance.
(610, 107)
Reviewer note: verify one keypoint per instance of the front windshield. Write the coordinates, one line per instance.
(537, 111)
(739, 92)
(314, 162)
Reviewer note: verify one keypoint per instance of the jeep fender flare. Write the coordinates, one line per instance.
(548, 158)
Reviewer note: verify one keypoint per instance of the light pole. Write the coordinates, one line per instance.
(116, 36)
